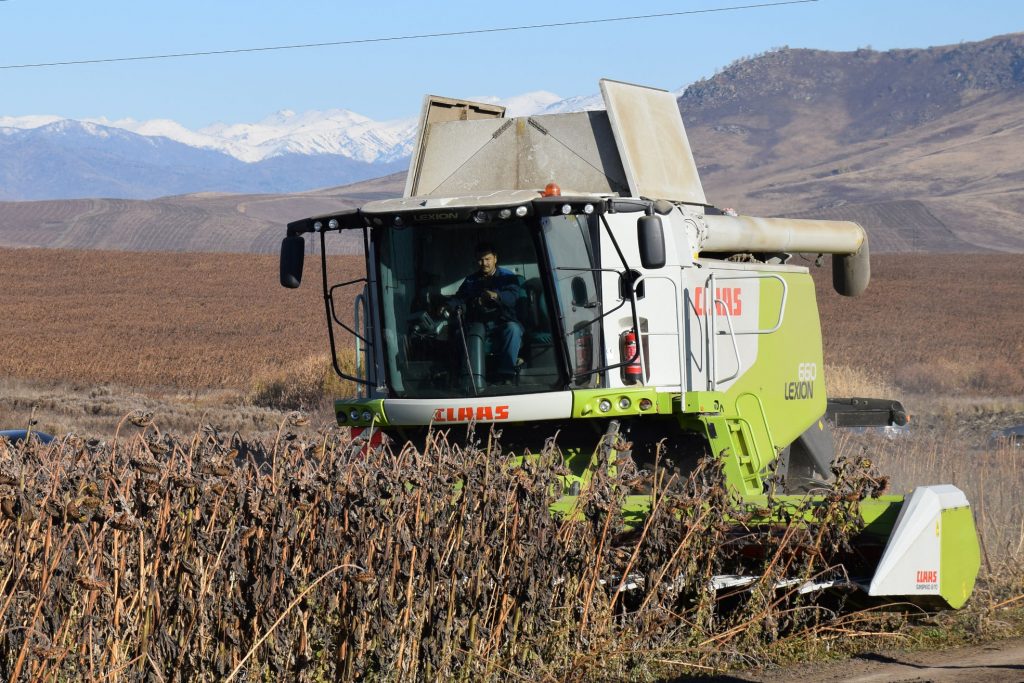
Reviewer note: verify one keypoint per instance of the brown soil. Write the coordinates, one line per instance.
(992, 662)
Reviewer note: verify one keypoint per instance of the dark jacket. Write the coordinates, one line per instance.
(471, 295)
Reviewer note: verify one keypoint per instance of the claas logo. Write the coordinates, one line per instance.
(727, 301)
(467, 413)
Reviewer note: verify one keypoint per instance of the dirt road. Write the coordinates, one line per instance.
(1001, 662)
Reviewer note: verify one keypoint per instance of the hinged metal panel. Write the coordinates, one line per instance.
(652, 142)
(437, 109)
(637, 147)
(576, 151)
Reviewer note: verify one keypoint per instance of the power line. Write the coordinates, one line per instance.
(447, 34)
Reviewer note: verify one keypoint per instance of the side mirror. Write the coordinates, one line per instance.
(650, 238)
(293, 252)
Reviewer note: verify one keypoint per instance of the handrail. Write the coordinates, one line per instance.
(710, 327)
(764, 415)
(359, 315)
(762, 276)
(711, 316)
(691, 304)
(735, 347)
(677, 319)
(334, 314)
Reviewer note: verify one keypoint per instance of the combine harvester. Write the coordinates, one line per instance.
(623, 305)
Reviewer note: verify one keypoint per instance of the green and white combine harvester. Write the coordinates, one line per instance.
(637, 309)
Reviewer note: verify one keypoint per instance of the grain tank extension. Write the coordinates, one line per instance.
(621, 302)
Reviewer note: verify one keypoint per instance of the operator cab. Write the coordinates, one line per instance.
(423, 330)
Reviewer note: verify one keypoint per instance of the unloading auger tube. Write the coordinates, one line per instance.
(845, 240)
(643, 317)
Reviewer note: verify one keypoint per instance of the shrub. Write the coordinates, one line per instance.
(298, 386)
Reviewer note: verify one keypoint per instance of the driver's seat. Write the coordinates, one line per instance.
(479, 346)
(538, 346)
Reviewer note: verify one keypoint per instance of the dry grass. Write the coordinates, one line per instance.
(991, 474)
(180, 321)
(843, 380)
(932, 323)
(306, 384)
(217, 558)
(95, 412)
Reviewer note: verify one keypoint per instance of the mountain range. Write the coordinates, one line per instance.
(922, 146)
(49, 157)
(926, 143)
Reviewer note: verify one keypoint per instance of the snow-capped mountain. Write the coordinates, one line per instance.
(571, 104)
(45, 156)
(335, 131)
(522, 105)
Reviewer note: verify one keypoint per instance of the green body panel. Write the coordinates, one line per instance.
(780, 382)
(375, 406)
(776, 399)
(586, 402)
(878, 515)
(771, 404)
(960, 556)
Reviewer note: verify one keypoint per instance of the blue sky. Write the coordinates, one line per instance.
(387, 80)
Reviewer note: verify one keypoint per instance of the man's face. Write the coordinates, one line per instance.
(488, 263)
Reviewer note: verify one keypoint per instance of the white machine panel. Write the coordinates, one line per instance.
(910, 563)
(652, 142)
(441, 411)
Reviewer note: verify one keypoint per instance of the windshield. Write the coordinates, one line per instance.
(465, 311)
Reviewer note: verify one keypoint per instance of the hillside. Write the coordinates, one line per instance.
(207, 222)
(919, 143)
(921, 146)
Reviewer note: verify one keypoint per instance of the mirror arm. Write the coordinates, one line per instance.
(661, 207)
(300, 227)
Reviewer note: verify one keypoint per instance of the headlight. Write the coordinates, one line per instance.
(353, 414)
(367, 416)
(605, 405)
(624, 403)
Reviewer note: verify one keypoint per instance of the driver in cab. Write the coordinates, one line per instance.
(489, 297)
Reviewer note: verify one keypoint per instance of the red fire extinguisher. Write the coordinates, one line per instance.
(584, 351)
(631, 371)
